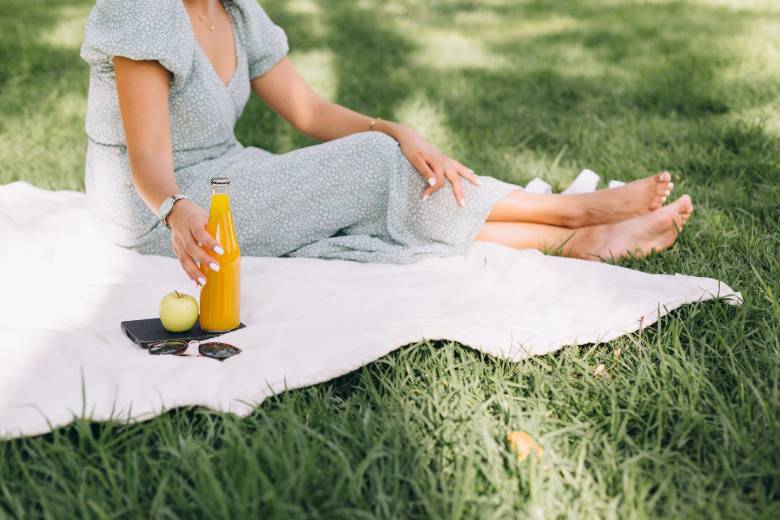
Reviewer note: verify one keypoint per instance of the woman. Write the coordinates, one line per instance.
(170, 78)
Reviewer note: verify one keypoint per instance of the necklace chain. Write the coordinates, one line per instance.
(204, 18)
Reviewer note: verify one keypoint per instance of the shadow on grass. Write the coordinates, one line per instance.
(24, 56)
(624, 88)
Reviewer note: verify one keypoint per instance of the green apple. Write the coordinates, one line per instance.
(178, 312)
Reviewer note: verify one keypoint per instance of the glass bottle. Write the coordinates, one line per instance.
(220, 297)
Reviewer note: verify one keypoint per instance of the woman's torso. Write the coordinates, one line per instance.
(203, 110)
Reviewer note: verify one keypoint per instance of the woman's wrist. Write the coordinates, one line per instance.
(395, 130)
(178, 210)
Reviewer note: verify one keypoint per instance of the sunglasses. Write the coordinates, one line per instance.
(178, 347)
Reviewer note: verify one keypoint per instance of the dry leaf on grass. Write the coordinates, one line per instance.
(601, 370)
(523, 444)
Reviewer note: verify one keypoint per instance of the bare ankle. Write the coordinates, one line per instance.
(574, 212)
(584, 241)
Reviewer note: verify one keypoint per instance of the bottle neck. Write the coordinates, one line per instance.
(219, 189)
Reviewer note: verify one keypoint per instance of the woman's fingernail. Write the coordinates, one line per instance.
(668, 192)
(214, 266)
(671, 185)
(202, 281)
(219, 250)
(479, 182)
(431, 181)
(462, 203)
(425, 197)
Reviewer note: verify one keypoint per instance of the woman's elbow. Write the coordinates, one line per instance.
(306, 119)
(149, 160)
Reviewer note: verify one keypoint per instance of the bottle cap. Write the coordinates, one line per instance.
(220, 181)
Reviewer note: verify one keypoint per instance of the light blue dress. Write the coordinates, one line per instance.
(355, 198)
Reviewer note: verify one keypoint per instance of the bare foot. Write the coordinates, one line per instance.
(616, 204)
(654, 231)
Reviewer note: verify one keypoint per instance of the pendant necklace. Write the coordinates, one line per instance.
(205, 20)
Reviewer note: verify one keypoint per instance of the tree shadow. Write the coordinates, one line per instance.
(622, 88)
(43, 86)
(26, 60)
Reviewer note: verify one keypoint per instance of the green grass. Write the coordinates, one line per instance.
(686, 423)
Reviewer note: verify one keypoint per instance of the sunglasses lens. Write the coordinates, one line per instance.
(170, 346)
(216, 350)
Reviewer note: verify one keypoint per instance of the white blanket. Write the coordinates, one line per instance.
(65, 291)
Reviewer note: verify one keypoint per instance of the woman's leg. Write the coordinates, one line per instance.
(585, 209)
(638, 236)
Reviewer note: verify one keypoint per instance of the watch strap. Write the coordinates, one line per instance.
(174, 199)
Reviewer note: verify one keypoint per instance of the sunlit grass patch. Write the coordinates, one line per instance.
(306, 7)
(426, 118)
(69, 30)
(45, 145)
(448, 49)
(319, 70)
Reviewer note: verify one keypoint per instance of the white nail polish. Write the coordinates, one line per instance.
(431, 181)
(671, 185)
(425, 197)
(214, 267)
(668, 192)
(219, 250)
(202, 281)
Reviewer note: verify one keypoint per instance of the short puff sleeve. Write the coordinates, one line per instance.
(264, 41)
(139, 30)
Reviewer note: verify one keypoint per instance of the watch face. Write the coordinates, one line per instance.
(166, 207)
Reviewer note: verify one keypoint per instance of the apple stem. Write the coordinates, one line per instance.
(177, 294)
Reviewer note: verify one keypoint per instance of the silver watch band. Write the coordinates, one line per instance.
(167, 207)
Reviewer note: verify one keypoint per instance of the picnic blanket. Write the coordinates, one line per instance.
(65, 291)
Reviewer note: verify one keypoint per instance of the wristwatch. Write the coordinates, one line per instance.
(167, 206)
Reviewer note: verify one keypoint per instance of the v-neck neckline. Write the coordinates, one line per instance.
(205, 56)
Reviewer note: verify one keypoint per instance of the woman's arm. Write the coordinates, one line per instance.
(286, 92)
(142, 87)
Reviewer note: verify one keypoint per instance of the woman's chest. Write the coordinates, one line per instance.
(205, 109)
(206, 106)
(215, 35)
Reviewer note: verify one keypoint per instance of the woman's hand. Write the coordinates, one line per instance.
(191, 240)
(434, 166)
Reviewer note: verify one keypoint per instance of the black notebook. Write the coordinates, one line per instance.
(146, 332)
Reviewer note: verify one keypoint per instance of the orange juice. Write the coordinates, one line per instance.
(219, 298)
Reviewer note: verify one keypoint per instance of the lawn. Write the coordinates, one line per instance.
(685, 422)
